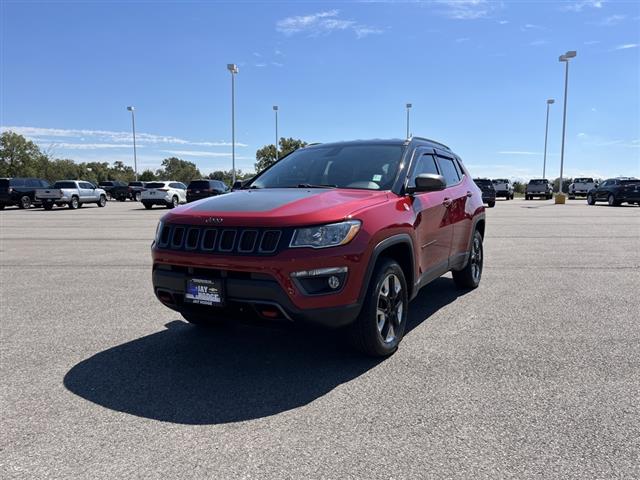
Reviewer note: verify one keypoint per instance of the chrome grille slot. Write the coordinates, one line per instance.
(227, 240)
(248, 240)
(193, 235)
(177, 238)
(269, 241)
(209, 239)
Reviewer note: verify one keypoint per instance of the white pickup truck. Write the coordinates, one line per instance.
(73, 193)
(580, 187)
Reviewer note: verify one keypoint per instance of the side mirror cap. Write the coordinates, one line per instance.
(428, 182)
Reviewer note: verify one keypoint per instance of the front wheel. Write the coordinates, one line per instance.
(137, 196)
(380, 326)
(469, 276)
(103, 201)
(611, 200)
(591, 200)
(491, 204)
(174, 202)
(25, 202)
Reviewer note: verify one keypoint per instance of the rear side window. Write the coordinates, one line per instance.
(448, 170)
(64, 185)
(17, 182)
(200, 184)
(33, 183)
(155, 185)
(86, 185)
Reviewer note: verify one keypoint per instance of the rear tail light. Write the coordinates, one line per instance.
(162, 189)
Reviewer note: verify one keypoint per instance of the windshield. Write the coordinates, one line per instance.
(370, 167)
(499, 180)
(538, 182)
(64, 185)
(155, 185)
(583, 180)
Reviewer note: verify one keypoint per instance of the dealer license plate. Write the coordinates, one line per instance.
(202, 291)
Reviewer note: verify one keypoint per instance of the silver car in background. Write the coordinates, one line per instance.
(73, 193)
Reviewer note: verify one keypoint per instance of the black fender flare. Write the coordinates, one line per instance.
(399, 238)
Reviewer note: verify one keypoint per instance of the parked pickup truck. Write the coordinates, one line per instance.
(581, 187)
(539, 187)
(73, 193)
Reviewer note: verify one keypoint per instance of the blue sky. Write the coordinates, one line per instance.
(477, 72)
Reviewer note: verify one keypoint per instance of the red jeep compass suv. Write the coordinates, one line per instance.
(338, 234)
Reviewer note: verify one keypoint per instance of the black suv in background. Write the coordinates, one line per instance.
(115, 189)
(488, 192)
(20, 191)
(199, 189)
(615, 191)
(135, 190)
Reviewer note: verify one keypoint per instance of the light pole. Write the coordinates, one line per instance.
(275, 109)
(133, 126)
(564, 58)
(408, 108)
(546, 134)
(233, 68)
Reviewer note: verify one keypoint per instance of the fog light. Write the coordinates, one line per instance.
(320, 281)
(334, 282)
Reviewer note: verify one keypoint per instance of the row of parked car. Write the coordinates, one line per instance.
(27, 192)
(614, 191)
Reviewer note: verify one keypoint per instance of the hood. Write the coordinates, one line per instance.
(280, 207)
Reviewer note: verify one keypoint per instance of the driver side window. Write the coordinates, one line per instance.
(425, 163)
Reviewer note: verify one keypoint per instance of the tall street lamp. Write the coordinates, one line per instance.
(546, 134)
(408, 108)
(564, 58)
(275, 109)
(133, 126)
(233, 68)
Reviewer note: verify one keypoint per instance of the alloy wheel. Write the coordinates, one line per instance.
(476, 260)
(390, 308)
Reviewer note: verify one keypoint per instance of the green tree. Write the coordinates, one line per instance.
(266, 156)
(20, 157)
(174, 168)
(565, 184)
(519, 187)
(226, 176)
(147, 176)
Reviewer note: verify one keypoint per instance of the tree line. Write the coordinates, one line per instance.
(20, 157)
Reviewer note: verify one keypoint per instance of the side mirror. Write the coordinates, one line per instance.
(428, 182)
(237, 185)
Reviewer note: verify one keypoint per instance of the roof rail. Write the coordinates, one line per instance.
(431, 141)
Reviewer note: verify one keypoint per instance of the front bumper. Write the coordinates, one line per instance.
(503, 193)
(246, 296)
(538, 194)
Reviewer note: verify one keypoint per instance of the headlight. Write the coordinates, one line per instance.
(158, 231)
(324, 236)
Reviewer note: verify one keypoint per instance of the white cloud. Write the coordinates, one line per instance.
(592, 42)
(323, 23)
(197, 153)
(108, 135)
(462, 39)
(503, 22)
(537, 43)
(611, 20)
(626, 46)
(83, 146)
(581, 5)
(260, 65)
(277, 64)
(532, 26)
(466, 9)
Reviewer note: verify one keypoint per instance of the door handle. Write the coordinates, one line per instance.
(446, 202)
(469, 194)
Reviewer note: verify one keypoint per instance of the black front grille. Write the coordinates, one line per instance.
(238, 241)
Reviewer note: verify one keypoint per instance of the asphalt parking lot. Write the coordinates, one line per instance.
(534, 374)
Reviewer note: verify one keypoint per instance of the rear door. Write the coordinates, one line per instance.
(456, 202)
(433, 231)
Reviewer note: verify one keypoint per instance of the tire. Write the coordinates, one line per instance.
(174, 202)
(25, 202)
(201, 320)
(47, 206)
(491, 204)
(513, 195)
(611, 200)
(137, 196)
(148, 206)
(381, 324)
(102, 202)
(74, 203)
(121, 198)
(469, 277)
(572, 197)
(591, 200)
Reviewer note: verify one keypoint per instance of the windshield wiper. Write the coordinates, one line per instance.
(309, 185)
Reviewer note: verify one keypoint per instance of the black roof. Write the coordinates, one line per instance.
(382, 141)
